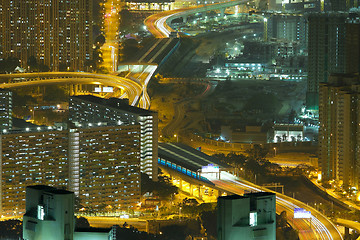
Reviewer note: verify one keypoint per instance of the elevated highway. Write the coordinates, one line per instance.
(349, 224)
(186, 165)
(133, 88)
(159, 24)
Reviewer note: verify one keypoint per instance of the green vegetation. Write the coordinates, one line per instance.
(253, 166)
(34, 66)
(265, 103)
(283, 229)
(11, 229)
(162, 189)
(9, 64)
(127, 49)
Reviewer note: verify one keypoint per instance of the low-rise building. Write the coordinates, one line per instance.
(252, 216)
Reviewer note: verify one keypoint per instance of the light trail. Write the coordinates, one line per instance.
(318, 228)
(132, 88)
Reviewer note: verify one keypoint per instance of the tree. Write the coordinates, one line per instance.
(20, 100)
(81, 222)
(257, 152)
(292, 116)
(33, 64)
(54, 93)
(128, 48)
(163, 188)
(11, 229)
(43, 68)
(209, 221)
(126, 23)
(175, 232)
(99, 40)
(8, 65)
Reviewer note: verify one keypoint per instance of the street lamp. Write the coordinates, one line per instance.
(33, 114)
(177, 137)
(265, 29)
(274, 151)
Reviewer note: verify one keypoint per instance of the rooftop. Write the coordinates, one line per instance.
(115, 103)
(187, 156)
(49, 189)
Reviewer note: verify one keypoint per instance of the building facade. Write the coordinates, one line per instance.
(343, 5)
(101, 164)
(27, 158)
(333, 47)
(252, 216)
(89, 109)
(49, 214)
(352, 39)
(290, 27)
(150, 5)
(108, 166)
(326, 47)
(58, 33)
(5, 109)
(339, 138)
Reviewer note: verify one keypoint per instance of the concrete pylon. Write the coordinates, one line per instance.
(184, 18)
(222, 12)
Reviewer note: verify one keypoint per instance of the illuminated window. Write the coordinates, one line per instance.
(253, 219)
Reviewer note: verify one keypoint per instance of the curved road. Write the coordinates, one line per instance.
(318, 227)
(131, 87)
(158, 26)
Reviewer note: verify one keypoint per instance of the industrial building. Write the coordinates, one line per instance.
(252, 216)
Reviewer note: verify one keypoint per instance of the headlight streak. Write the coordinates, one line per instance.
(321, 231)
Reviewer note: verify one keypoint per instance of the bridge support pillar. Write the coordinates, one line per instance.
(73, 89)
(181, 184)
(347, 232)
(184, 18)
(222, 12)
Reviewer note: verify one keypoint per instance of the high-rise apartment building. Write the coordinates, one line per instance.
(104, 165)
(339, 133)
(101, 164)
(56, 32)
(343, 5)
(304, 5)
(89, 109)
(252, 216)
(291, 27)
(326, 46)
(333, 45)
(5, 109)
(27, 158)
(352, 41)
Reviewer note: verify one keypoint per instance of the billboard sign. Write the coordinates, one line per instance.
(210, 169)
(104, 89)
(301, 213)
